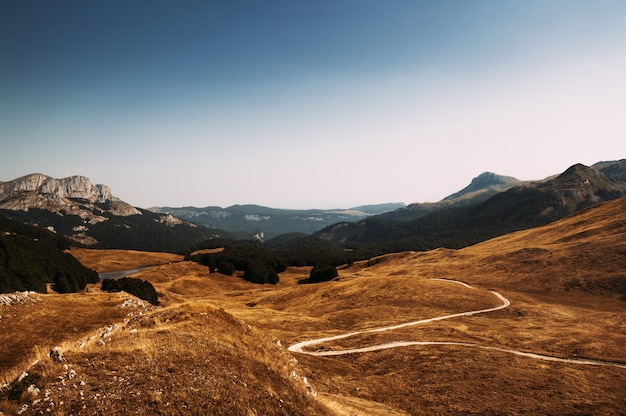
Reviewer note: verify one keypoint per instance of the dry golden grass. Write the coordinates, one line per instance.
(217, 345)
(30, 330)
(115, 260)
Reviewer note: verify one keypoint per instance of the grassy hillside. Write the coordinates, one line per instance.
(218, 344)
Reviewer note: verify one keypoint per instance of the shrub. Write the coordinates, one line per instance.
(322, 273)
(260, 273)
(137, 287)
(61, 285)
(226, 267)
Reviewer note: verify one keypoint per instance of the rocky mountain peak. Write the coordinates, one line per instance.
(580, 171)
(71, 196)
(486, 181)
(72, 187)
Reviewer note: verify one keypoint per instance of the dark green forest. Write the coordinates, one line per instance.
(261, 262)
(136, 287)
(31, 257)
(134, 232)
(258, 263)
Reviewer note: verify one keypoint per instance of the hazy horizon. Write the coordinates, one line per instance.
(329, 104)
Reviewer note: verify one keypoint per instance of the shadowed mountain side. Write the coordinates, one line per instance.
(615, 169)
(584, 252)
(480, 189)
(32, 257)
(520, 207)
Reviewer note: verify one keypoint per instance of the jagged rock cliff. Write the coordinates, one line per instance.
(90, 215)
(74, 195)
(71, 187)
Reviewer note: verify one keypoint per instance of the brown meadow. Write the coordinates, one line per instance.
(218, 344)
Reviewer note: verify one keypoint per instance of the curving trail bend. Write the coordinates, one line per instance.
(300, 347)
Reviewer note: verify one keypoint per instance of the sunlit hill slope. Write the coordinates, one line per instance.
(218, 344)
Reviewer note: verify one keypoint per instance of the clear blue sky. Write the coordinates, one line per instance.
(308, 104)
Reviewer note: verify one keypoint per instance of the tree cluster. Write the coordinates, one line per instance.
(136, 287)
(32, 257)
(258, 263)
(134, 232)
(322, 273)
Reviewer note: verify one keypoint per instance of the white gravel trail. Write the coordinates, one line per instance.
(300, 346)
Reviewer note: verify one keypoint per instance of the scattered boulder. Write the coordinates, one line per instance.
(33, 391)
(56, 355)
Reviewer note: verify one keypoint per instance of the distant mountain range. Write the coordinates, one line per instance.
(491, 206)
(254, 221)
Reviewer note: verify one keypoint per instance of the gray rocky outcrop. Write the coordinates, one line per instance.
(74, 195)
(78, 187)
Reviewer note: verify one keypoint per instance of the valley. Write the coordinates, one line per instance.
(221, 345)
(322, 208)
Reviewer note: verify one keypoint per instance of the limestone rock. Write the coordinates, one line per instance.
(56, 355)
(74, 195)
(70, 187)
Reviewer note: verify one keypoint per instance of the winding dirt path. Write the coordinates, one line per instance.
(300, 347)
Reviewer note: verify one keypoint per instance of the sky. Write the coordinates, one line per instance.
(308, 104)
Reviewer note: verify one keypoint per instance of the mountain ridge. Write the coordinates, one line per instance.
(486, 181)
(520, 207)
(75, 186)
(90, 215)
(481, 188)
(256, 221)
(67, 194)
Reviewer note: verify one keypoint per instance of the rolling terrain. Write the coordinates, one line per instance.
(254, 221)
(220, 345)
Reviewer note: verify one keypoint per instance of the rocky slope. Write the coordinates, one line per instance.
(615, 169)
(74, 195)
(90, 215)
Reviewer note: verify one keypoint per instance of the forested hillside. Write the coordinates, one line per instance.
(147, 231)
(31, 257)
